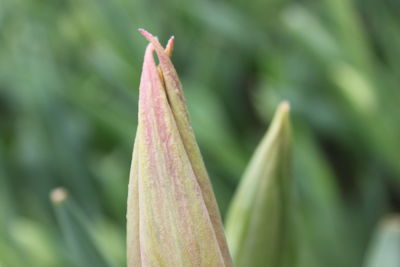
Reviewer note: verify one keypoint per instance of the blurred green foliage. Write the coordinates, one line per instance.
(68, 105)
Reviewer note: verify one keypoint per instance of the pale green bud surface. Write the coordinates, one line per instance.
(258, 222)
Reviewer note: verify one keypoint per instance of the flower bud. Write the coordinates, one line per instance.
(172, 217)
(258, 223)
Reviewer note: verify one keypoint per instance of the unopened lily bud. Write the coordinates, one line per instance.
(172, 217)
(257, 226)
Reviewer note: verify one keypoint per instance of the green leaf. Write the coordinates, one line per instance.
(83, 250)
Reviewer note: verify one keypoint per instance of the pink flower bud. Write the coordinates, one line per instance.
(173, 218)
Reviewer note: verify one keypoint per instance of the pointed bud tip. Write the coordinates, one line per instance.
(284, 106)
(58, 195)
(145, 33)
(283, 111)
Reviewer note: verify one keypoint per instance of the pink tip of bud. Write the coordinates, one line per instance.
(146, 33)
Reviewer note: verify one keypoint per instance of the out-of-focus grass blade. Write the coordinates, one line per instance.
(35, 243)
(5, 200)
(353, 83)
(385, 248)
(347, 26)
(111, 176)
(321, 42)
(322, 227)
(205, 106)
(258, 222)
(76, 231)
(229, 22)
(9, 255)
(354, 86)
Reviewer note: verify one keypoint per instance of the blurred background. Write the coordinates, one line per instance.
(69, 77)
